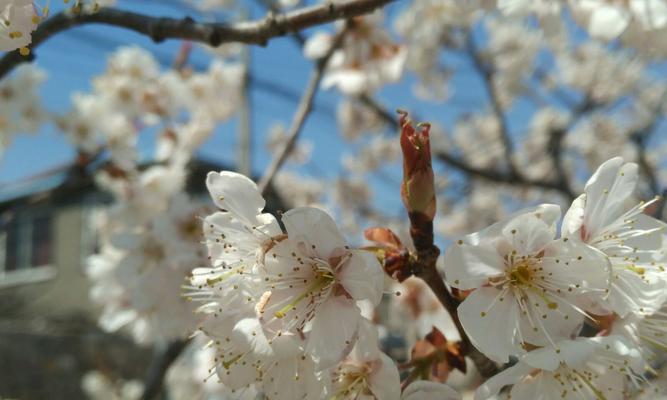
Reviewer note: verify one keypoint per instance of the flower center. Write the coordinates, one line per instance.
(320, 284)
(521, 273)
(351, 381)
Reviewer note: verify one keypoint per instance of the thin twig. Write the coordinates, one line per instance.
(159, 28)
(557, 138)
(159, 367)
(302, 112)
(493, 175)
(245, 113)
(487, 78)
(640, 137)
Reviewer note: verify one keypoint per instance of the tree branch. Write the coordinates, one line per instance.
(555, 144)
(487, 78)
(214, 34)
(159, 367)
(275, 8)
(302, 112)
(640, 138)
(424, 267)
(492, 175)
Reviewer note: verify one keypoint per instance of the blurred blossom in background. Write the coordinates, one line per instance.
(123, 260)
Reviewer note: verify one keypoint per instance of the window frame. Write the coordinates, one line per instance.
(25, 273)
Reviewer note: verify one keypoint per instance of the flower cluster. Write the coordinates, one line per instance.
(282, 308)
(133, 95)
(530, 295)
(21, 109)
(366, 60)
(148, 244)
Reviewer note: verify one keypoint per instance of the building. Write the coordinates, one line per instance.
(48, 332)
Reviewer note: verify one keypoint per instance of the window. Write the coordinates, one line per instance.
(26, 246)
(93, 219)
(41, 241)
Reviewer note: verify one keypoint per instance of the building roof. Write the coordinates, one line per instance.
(71, 183)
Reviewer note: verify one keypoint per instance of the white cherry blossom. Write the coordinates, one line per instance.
(629, 238)
(366, 373)
(21, 110)
(648, 333)
(18, 18)
(581, 369)
(526, 282)
(236, 238)
(366, 60)
(314, 281)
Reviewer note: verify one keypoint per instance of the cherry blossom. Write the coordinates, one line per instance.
(314, 280)
(526, 282)
(278, 306)
(585, 368)
(366, 60)
(21, 110)
(648, 333)
(275, 295)
(628, 237)
(19, 19)
(366, 372)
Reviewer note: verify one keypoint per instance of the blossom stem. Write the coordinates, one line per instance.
(424, 266)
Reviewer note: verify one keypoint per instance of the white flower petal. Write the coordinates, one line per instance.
(469, 267)
(427, 390)
(385, 382)
(574, 217)
(606, 192)
(235, 193)
(317, 45)
(549, 319)
(362, 276)
(293, 378)
(332, 333)
(490, 323)
(608, 22)
(534, 388)
(316, 228)
(528, 233)
(510, 376)
(631, 293)
(367, 347)
(573, 264)
(572, 352)
(250, 330)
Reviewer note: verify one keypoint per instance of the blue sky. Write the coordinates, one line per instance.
(73, 57)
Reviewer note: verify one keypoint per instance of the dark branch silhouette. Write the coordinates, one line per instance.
(214, 34)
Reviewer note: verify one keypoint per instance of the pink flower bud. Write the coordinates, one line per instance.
(417, 188)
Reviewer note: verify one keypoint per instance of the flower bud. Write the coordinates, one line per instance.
(391, 253)
(417, 188)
